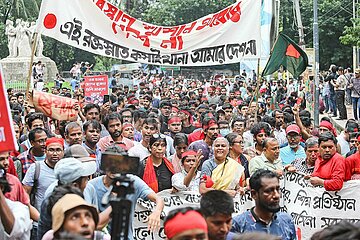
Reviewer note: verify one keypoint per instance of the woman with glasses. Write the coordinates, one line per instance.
(236, 149)
(222, 172)
(158, 170)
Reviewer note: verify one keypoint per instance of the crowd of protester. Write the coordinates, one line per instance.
(217, 136)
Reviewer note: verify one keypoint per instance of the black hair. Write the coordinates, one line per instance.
(180, 138)
(256, 129)
(288, 118)
(270, 120)
(326, 136)
(255, 179)
(341, 231)
(231, 138)
(176, 211)
(111, 116)
(137, 114)
(91, 106)
(243, 120)
(33, 116)
(126, 110)
(216, 201)
(151, 122)
(94, 123)
(32, 133)
(325, 119)
(71, 125)
(157, 137)
(59, 192)
(305, 113)
(305, 121)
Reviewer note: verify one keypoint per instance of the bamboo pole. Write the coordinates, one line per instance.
(33, 47)
(257, 89)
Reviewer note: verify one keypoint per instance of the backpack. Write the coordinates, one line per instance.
(35, 185)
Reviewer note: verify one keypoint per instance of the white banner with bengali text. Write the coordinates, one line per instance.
(99, 27)
(312, 208)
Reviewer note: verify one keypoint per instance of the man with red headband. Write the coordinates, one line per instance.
(185, 223)
(186, 118)
(211, 132)
(41, 173)
(352, 165)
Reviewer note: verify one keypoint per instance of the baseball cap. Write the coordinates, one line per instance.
(357, 70)
(66, 203)
(67, 170)
(293, 128)
(79, 152)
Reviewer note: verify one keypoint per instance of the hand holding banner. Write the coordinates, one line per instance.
(56, 107)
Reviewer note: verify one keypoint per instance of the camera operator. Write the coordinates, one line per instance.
(104, 187)
(14, 216)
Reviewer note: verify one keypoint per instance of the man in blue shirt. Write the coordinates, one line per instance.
(293, 150)
(265, 216)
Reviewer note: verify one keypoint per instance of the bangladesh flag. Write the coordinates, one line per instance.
(288, 54)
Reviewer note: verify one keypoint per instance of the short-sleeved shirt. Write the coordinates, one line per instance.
(208, 166)
(142, 190)
(138, 150)
(205, 148)
(46, 178)
(261, 162)
(178, 182)
(17, 192)
(287, 154)
(281, 225)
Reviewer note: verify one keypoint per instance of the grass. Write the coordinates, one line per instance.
(21, 86)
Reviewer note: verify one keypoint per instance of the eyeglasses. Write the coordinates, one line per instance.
(156, 135)
(354, 141)
(52, 150)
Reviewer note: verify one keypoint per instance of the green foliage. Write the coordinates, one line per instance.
(351, 35)
(104, 63)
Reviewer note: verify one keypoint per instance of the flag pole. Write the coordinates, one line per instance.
(33, 47)
(257, 89)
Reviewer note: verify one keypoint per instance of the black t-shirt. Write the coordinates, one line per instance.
(188, 130)
(163, 176)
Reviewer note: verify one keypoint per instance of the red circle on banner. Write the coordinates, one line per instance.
(50, 21)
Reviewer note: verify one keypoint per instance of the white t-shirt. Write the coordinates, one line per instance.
(138, 150)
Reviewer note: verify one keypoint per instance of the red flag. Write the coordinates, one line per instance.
(7, 136)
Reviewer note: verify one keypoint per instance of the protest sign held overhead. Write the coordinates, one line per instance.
(56, 107)
(7, 138)
(95, 87)
(220, 38)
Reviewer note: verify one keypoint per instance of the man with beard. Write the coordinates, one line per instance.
(92, 131)
(269, 159)
(279, 131)
(265, 216)
(112, 122)
(329, 169)
(92, 112)
(260, 131)
(211, 132)
(73, 134)
(293, 150)
(217, 207)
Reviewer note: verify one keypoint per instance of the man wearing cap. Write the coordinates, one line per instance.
(74, 171)
(185, 223)
(54, 152)
(293, 150)
(344, 137)
(15, 220)
(67, 208)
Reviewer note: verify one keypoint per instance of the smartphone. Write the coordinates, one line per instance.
(106, 98)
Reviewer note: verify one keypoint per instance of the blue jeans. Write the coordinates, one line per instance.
(333, 103)
(326, 102)
(356, 107)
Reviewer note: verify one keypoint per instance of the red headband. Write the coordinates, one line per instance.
(54, 140)
(174, 119)
(183, 222)
(329, 126)
(210, 124)
(188, 153)
(125, 125)
(175, 109)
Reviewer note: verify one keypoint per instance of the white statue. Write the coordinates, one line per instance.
(10, 31)
(39, 41)
(24, 48)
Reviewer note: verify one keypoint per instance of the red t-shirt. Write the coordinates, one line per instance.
(352, 164)
(17, 193)
(332, 171)
(198, 135)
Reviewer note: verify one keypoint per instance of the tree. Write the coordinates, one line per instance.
(351, 35)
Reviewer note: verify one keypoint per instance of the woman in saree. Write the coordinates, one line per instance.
(222, 172)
